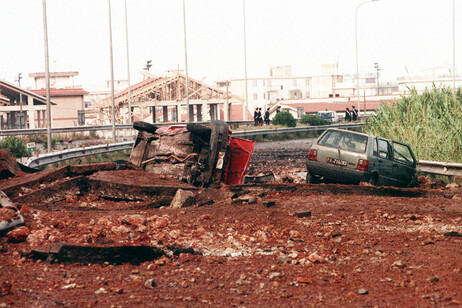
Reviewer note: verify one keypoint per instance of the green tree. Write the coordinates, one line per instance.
(284, 118)
(15, 145)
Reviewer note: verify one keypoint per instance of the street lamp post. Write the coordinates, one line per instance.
(130, 118)
(356, 39)
(112, 74)
(246, 105)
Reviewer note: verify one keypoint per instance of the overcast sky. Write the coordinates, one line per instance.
(398, 34)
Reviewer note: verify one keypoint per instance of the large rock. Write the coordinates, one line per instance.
(18, 235)
(183, 198)
(8, 165)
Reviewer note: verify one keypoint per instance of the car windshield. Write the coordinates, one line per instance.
(344, 140)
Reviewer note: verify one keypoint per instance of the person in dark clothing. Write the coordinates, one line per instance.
(267, 115)
(354, 113)
(260, 120)
(348, 115)
(255, 116)
(278, 109)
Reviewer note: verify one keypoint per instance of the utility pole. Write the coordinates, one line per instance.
(148, 65)
(47, 75)
(377, 67)
(20, 95)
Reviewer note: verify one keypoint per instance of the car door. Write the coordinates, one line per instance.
(404, 163)
(385, 162)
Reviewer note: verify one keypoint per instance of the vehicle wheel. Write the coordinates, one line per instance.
(374, 179)
(144, 126)
(200, 130)
(311, 179)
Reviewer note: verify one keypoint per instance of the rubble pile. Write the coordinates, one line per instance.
(131, 238)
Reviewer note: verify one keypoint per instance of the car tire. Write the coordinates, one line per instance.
(374, 179)
(200, 130)
(145, 127)
(311, 179)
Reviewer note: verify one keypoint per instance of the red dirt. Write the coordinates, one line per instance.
(402, 248)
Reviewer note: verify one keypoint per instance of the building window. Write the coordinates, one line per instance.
(255, 83)
(282, 87)
(300, 112)
(307, 81)
(295, 82)
(269, 82)
(263, 81)
(264, 95)
(307, 94)
(255, 96)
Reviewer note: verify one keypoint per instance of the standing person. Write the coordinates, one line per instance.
(278, 109)
(255, 116)
(354, 113)
(267, 115)
(260, 121)
(348, 115)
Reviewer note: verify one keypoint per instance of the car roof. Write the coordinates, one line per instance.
(350, 131)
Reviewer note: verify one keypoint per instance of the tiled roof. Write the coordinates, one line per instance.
(61, 92)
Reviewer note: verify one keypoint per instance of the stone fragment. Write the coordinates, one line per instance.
(101, 291)
(134, 220)
(274, 275)
(398, 264)
(183, 198)
(69, 286)
(363, 291)
(18, 235)
(150, 284)
(304, 279)
(269, 203)
(315, 258)
(159, 223)
(434, 279)
(283, 259)
(302, 214)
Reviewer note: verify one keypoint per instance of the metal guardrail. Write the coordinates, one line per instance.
(50, 158)
(55, 157)
(294, 129)
(92, 128)
(439, 168)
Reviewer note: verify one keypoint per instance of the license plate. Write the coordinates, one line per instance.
(336, 161)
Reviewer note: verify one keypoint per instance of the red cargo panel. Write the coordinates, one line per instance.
(238, 161)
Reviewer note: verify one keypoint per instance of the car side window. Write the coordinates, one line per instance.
(402, 153)
(383, 148)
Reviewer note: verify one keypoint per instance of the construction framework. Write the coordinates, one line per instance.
(163, 99)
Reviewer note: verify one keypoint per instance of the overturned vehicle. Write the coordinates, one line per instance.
(194, 153)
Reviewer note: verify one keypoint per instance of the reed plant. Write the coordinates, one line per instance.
(429, 122)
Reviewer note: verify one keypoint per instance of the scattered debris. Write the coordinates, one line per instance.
(363, 291)
(260, 178)
(183, 198)
(303, 214)
(453, 233)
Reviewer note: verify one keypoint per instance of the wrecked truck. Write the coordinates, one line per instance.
(194, 153)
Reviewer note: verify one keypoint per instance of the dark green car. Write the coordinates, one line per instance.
(351, 157)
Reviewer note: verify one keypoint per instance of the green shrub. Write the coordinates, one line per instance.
(284, 118)
(313, 120)
(15, 145)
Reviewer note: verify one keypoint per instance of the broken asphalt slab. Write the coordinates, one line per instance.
(134, 185)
